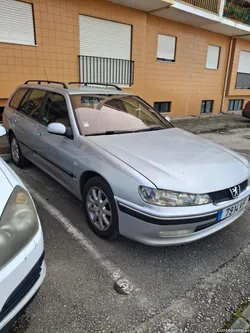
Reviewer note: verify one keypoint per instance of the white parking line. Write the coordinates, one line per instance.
(112, 270)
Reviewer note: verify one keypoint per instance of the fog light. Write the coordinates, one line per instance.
(175, 233)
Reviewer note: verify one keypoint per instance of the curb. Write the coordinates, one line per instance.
(242, 324)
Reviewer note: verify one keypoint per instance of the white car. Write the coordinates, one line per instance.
(22, 266)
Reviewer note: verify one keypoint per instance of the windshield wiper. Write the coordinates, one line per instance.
(127, 131)
(156, 128)
(110, 132)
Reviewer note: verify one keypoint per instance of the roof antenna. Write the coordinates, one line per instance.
(46, 74)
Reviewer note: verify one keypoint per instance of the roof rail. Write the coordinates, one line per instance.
(46, 81)
(96, 84)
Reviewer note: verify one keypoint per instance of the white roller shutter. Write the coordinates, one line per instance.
(244, 62)
(213, 55)
(16, 22)
(166, 48)
(103, 38)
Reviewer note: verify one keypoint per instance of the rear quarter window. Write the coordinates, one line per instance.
(18, 96)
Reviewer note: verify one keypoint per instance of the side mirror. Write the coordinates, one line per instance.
(168, 119)
(56, 128)
(2, 131)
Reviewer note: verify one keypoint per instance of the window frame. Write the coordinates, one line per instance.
(21, 88)
(218, 61)
(205, 101)
(41, 107)
(44, 103)
(233, 101)
(34, 27)
(163, 60)
(161, 102)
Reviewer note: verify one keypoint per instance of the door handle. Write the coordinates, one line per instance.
(38, 134)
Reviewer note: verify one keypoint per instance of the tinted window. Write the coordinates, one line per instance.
(162, 107)
(207, 106)
(235, 104)
(31, 105)
(55, 110)
(16, 99)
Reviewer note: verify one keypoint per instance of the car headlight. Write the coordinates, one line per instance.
(18, 225)
(172, 199)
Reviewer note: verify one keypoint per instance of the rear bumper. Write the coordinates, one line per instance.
(20, 280)
(160, 231)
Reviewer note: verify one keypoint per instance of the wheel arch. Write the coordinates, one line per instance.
(85, 176)
(10, 133)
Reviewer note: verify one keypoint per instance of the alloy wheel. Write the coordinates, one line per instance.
(99, 208)
(15, 150)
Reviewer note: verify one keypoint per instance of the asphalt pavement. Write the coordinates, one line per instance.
(192, 288)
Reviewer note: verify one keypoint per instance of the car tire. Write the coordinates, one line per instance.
(100, 208)
(16, 153)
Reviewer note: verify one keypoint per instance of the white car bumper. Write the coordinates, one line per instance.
(21, 279)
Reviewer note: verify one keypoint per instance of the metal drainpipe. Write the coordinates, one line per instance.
(227, 73)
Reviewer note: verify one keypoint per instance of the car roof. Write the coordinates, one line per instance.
(78, 89)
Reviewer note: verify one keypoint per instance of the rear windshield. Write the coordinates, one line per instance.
(114, 114)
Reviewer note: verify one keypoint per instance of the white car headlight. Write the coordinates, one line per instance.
(18, 225)
(172, 199)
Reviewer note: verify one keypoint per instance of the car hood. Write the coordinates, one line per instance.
(6, 187)
(177, 160)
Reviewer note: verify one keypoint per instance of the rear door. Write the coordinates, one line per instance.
(11, 107)
(56, 153)
(26, 121)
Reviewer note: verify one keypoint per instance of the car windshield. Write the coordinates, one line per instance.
(115, 114)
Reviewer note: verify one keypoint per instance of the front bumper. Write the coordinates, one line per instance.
(159, 229)
(21, 279)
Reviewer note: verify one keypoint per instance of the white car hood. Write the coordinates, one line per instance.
(177, 160)
(7, 183)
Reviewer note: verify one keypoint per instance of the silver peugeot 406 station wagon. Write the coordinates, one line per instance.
(136, 174)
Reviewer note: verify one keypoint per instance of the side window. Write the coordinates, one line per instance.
(31, 105)
(55, 110)
(16, 99)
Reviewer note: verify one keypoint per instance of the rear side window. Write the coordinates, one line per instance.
(16, 99)
(31, 105)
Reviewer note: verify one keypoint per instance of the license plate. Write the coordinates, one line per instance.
(230, 211)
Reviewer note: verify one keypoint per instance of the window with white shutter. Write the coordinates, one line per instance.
(105, 51)
(166, 48)
(16, 22)
(244, 62)
(103, 38)
(213, 57)
(243, 75)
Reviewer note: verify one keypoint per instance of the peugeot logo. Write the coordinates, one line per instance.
(235, 191)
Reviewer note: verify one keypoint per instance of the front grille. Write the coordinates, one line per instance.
(22, 289)
(225, 195)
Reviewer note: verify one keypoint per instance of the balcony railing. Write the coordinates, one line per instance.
(210, 5)
(106, 70)
(243, 81)
(238, 10)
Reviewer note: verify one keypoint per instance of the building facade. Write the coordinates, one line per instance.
(184, 57)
